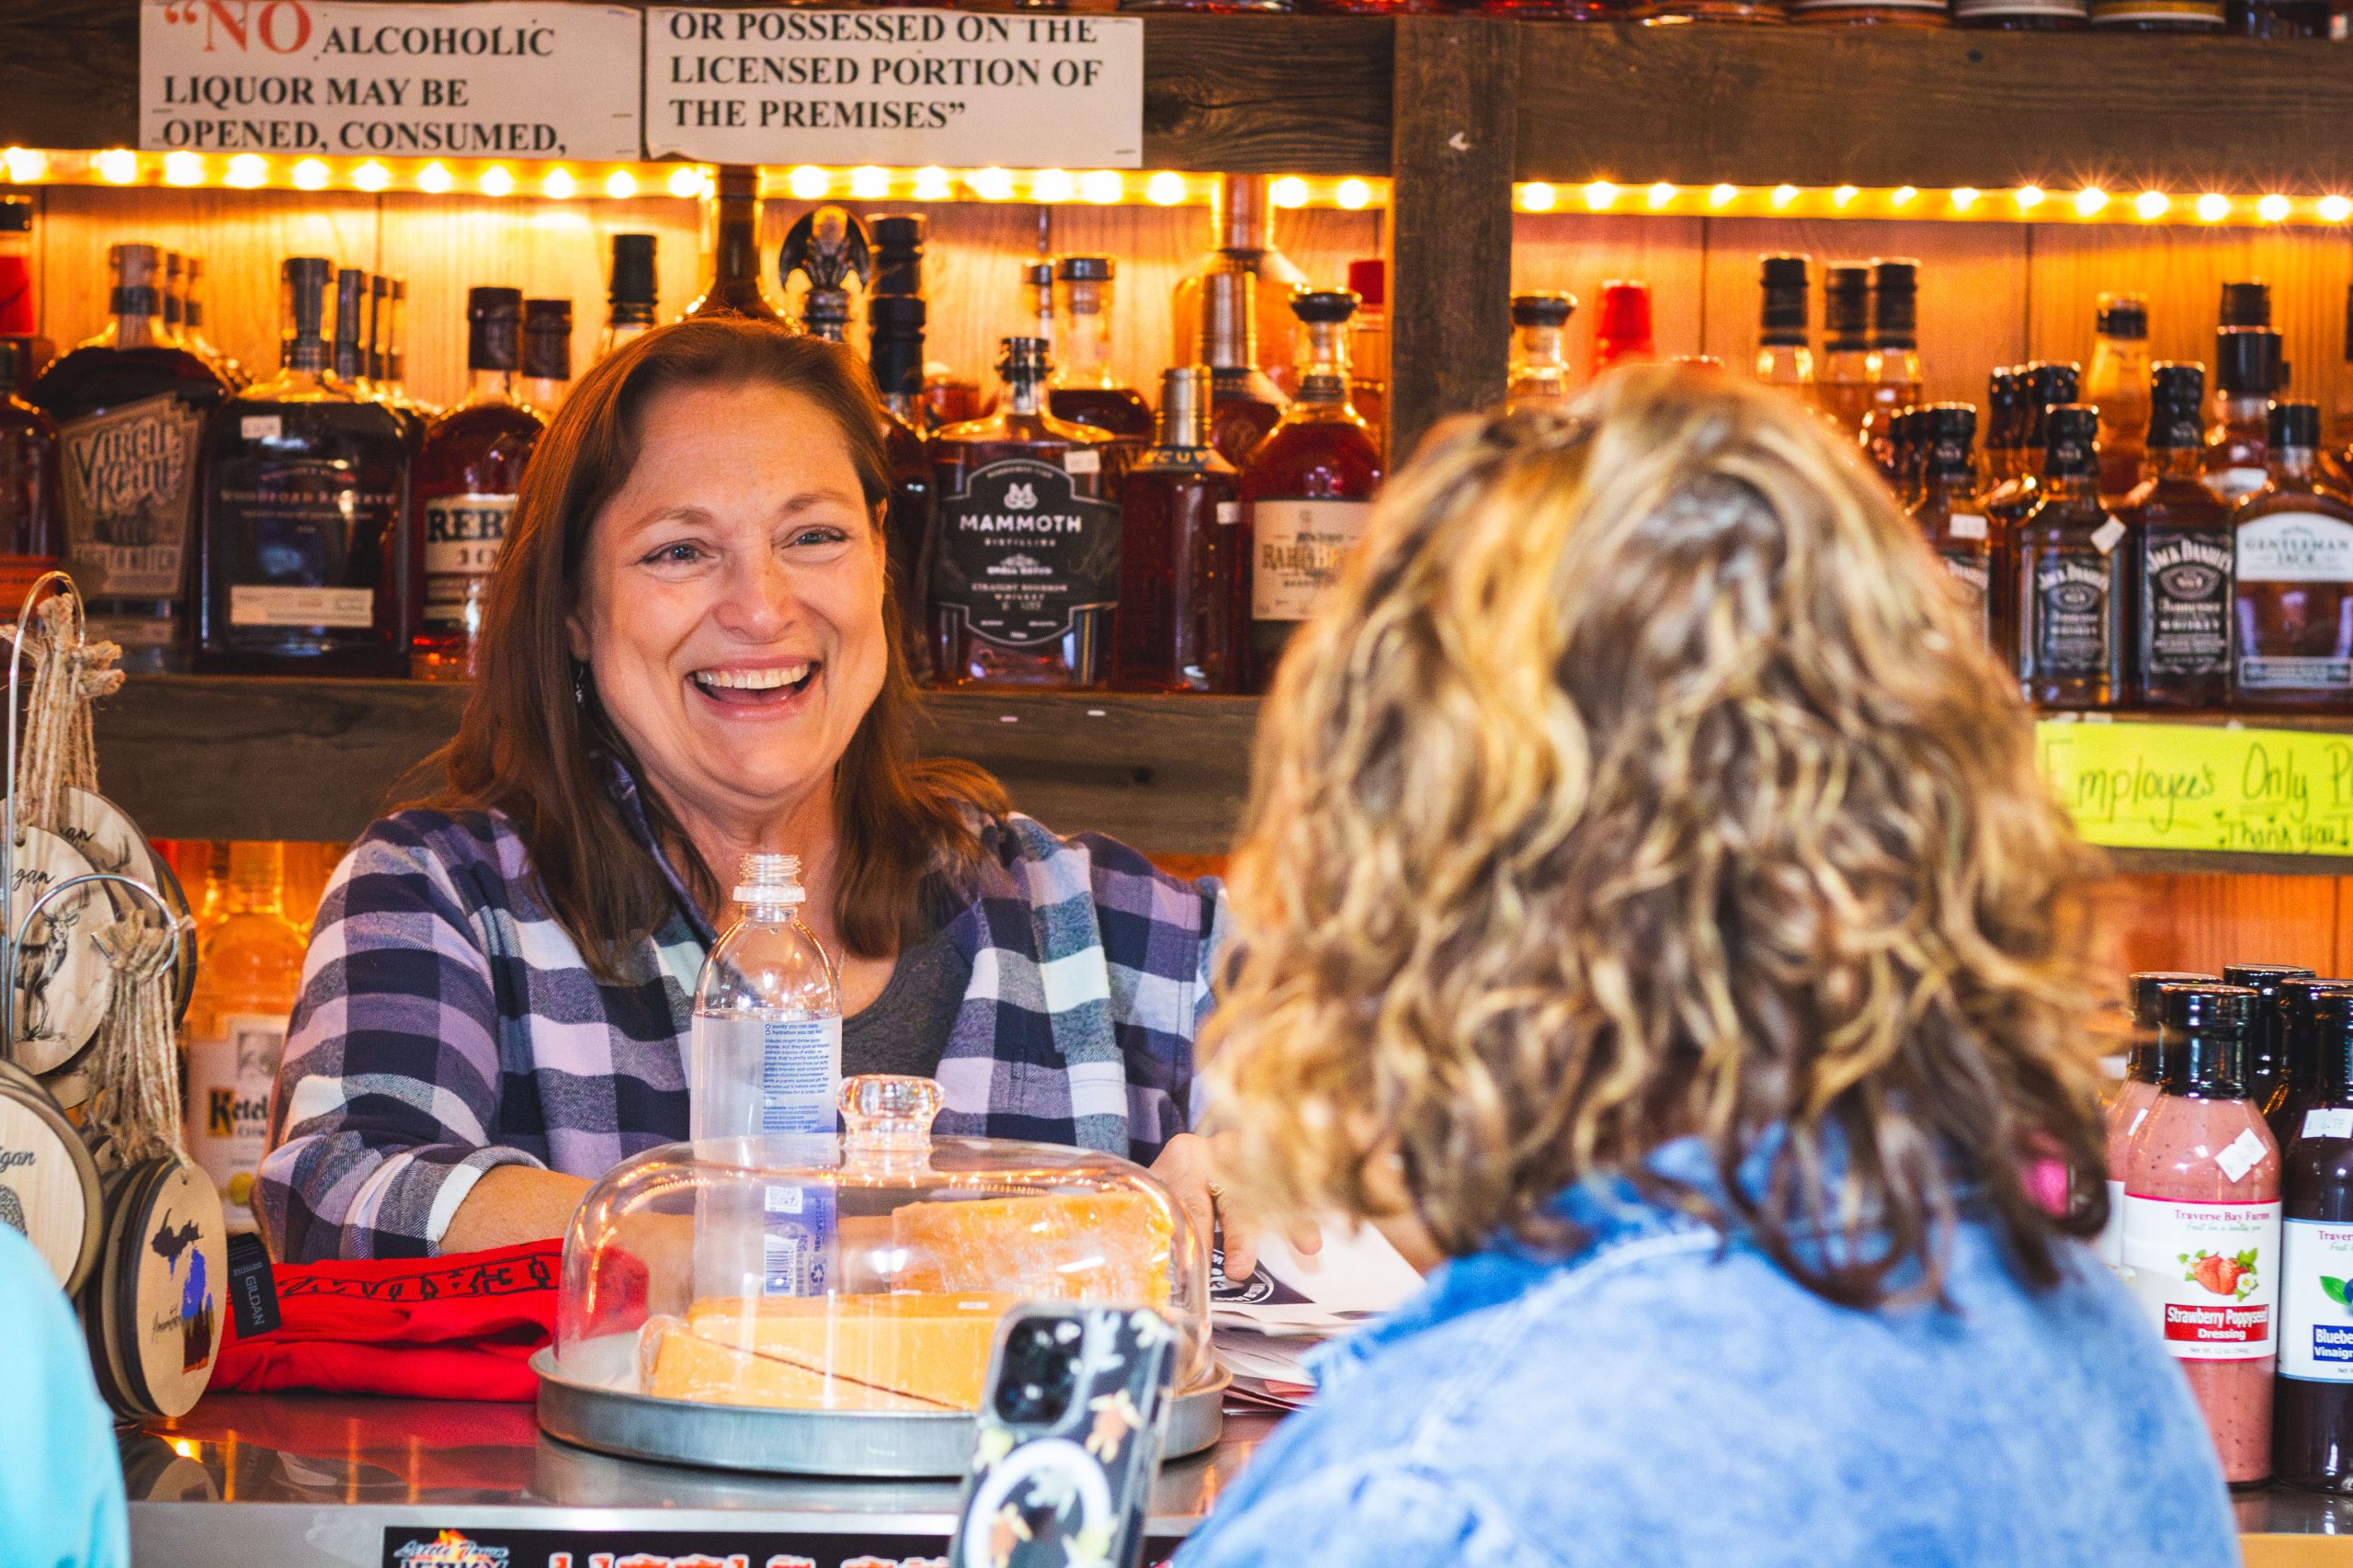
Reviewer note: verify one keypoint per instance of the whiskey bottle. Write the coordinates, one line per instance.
(1025, 560)
(2119, 383)
(1307, 488)
(2158, 15)
(1084, 391)
(2042, 385)
(1244, 403)
(192, 330)
(1621, 325)
(631, 293)
(391, 388)
(1907, 457)
(130, 411)
(2022, 16)
(1037, 299)
(2004, 425)
(1369, 346)
(29, 524)
(1843, 387)
(547, 355)
(2247, 371)
(1242, 230)
(737, 287)
(2182, 590)
(896, 357)
(249, 972)
(2074, 580)
(2339, 461)
(175, 297)
(948, 396)
(1950, 517)
(1892, 365)
(466, 483)
(306, 559)
(2294, 548)
(1184, 620)
(1784, 338)
(1539, 371)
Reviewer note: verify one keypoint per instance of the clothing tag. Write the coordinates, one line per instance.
(2323, 1122)
(1082, 460)
(2104, 539)
(1965, 525)
(253, 1288)
(1229, 512)
(261, 427)
(2243, 1152)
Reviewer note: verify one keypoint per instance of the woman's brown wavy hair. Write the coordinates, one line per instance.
(1643, 777)
(526, 747)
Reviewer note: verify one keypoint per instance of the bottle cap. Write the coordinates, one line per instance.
(896, 313)
(739, 182)
(1543, 309)
(1323, 306)
(2246, 304)
(897, 230)
(1783, 271)
(1896, 321)
(2142, 990)
(1625, 315)
(2177, 402)
(1948, 429)
(632, 279)
(1229, 318)
(350, 310)
(1084, 270)
(2263, 977)
(2246, 361)
(1846, 304)
(1783, 279)
(2205, 1038)
(547, 339)
(305, 279)
(16, 215)
(2293, 425)
(1368, 277)
(1241, 217)
(1038, 274)
(2123, 316)
(2050, 381)
(2070, 439)
(2005, 400)
(2300, 999)
(770, 878)
(493, 323)
(2204, 1005)
(482, 304)
(1020, 357)
(1185, 405)
(134, 271)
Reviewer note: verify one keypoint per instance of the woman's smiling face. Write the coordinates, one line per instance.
(729, 600)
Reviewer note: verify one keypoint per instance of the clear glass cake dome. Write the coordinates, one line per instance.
(864, 1272)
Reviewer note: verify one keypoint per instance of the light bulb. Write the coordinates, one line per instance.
(1964, 198)
(1843, 197)
(119, 165)
(247, 171)
(371, 176)
(2151, 205)
(1537, 196)
(497, 181)
(2212, 208)
(686, 182)
(620, 185)
(1166, 189)
(2089, 201)
(1782, 195)
(1903, 195)
(1353, 194)
(807, 182)
(1724, 196)
(2029, 197)
(867, 183)
(932, 184)
(1049, 186)
(1600, 196)
(2333, 209)
(1102, 187)
(183, 168)
(2272, 208)
(991, 183)
(559, 184)
(25, 165)
(435, 179)
(1661, 196)
(1289, 191)
(311, 174)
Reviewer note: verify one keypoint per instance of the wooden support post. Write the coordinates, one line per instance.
(1453, 110)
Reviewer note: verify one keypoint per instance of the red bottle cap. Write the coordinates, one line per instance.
(1624, 321)
(1369, 278)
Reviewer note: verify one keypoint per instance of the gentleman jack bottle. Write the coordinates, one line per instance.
(2294, 543)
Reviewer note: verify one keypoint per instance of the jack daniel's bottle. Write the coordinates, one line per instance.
(1950, 514)
(305, 506)
(129, 409)
(2182, 570)
(2074, 575)
(1025, 560)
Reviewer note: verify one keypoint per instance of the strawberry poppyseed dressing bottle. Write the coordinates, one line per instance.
(2202, 1220)
(2137, 1097)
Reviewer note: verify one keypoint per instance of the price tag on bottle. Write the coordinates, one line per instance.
(2323, 1121)
(1229, 512)
(261, 427)
(2104, 537)
(2242, 1154)
(1965, 525)
(1082, 460)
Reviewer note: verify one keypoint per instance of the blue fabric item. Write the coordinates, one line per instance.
(1662, 1396)
(61, 1482)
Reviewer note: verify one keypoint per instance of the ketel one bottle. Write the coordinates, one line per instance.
(2073, 581)
(1024, 560)
(2294, 543)
(2182, 558)
(466, 481)
(1306, 489)
(1951, 517)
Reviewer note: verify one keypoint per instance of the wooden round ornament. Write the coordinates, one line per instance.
(172, 1292)
(105, 837)
(99, 1296)
(48, 1187)
(62, 981)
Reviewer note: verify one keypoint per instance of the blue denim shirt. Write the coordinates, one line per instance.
(1662, 1397)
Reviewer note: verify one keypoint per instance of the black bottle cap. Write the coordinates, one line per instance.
(2124, 316)
(16, 215)
(2264, 977)
(1945, 431)
(897, 230)
(2205, 1038)
(898, 253)
(1894, 302)
(2246, 304)
(1323, 306)
(1784, 271)
(1038, 274)
(1543, 309)
(2071, 440)
(1024, 359)
(306, 279)
(350, 296)
(493, 329)
(2142, 1059)
(632, 279)
(1084, 270)
(894, 353)
(2050, 382)
(1846, 305)
(547, 339)
(2321, 1049)
(2247, 362)
(2177, 404)
(897, 315)
(2292, 424)
(1784, 282)
(487, 304)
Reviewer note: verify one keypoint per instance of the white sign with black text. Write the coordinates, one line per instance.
(903, 87)
(330, 79)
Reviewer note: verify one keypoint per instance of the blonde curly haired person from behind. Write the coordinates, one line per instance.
(1649, 902)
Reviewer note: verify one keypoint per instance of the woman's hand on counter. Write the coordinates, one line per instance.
(1187, 1168)
(513, 1204)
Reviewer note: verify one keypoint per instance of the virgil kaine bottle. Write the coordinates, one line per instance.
(1025, 560)
(2073, 582)
(130, 407)
(2294, 541)
(2181, 576)
(1950, 517)
(305, 510)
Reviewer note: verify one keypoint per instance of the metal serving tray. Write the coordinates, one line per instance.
(606, 1416)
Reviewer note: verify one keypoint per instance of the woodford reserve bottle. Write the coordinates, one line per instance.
(2181, 574)
(1024, 560)
(129, 411)
(306, 496)
(1184, 621)
(2074, 579)
(466, 483)
(1307, 488)
(2294, 544)
(1951, 517)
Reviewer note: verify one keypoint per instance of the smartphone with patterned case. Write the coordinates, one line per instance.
(1069, 1439)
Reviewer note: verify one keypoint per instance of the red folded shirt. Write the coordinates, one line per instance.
(460, 1326)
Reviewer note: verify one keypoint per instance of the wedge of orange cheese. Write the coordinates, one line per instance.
(899, 1353)
(1104, 1248)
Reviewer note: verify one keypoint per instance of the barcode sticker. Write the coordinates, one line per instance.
(1082, 460)
(2104, 539)
(2243, 1155)
(261, 427)
(2323, 1121)
(1966, 525)
(1228, 511)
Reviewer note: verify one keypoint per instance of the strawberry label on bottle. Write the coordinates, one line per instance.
(2315, 1320)
(1022, 554)
(2207, 1273)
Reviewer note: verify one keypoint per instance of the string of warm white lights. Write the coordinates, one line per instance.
(2026, 204)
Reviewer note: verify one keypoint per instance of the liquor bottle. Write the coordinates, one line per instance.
(2303, 1026)
(347, 355)
(248, 974)
(1307, 488)
(1784, 338)
(2118, 382)
(949, 395)
(547, 355)
(28, 521)
(466, 483)
(2294, 544)
(2312, 1418)
(379, 331)
(391, 387)
(1037, 301)
(630, 292)
(2004, 425)
(1369, 346)
(1906, 461)
(131, 413)
(306, 555)
(1241, 231)
(175, 297)
(1621, 325)
(2340, 460)
(737, 287)
(1950, 517)
(1842, 388)
(2182, 562)
(2277, 19)
(1184, 620)
(1892, 365)
(1539, 350)
(897, 357)
(2158, 15)
(1022, 482)
(1244, 403)
(2044, 384)
(2075, 583)
(192, 330)
(1084, 389)
(2247, 371)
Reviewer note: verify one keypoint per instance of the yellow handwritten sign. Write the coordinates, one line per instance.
(2136, 786)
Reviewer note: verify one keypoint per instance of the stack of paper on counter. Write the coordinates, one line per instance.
(1264, 1325)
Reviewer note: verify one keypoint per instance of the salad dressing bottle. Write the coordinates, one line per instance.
(2137, 1096)
(2312, 1423)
